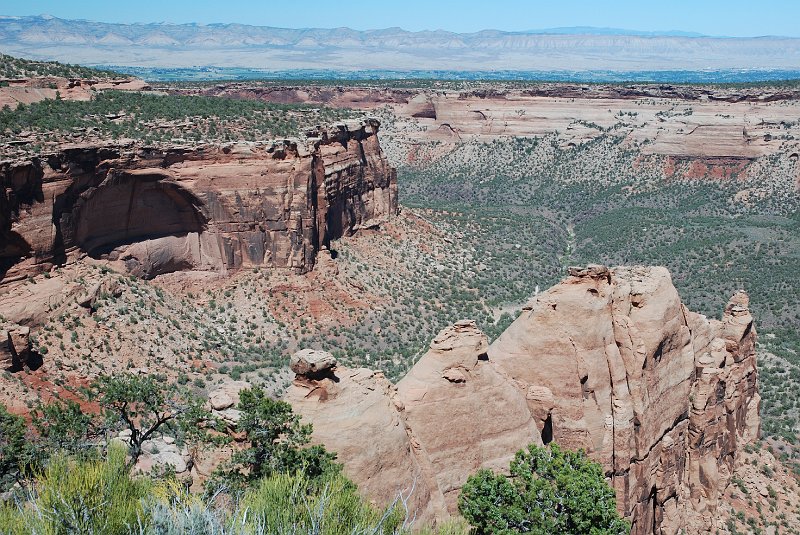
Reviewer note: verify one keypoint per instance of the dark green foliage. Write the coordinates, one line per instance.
(17, 452)
(277, 442)
(63, 426)
(549, 491)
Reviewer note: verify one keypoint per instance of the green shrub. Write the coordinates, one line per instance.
(283, 503)
(550, 491)
(172, 510)
(147, 405)
(16, 451)
(278, 444)
(62, 426)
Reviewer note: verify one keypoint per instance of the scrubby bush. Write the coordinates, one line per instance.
(549, 491)
(100, 497)
(328, 505)
(71, 497)
(62, 426)
(146, 405)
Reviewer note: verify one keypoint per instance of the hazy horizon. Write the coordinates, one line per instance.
(299, 40)
(560, 30)
(713, 18)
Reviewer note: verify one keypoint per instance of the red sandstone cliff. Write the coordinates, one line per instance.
(212, 207)
(609, 360)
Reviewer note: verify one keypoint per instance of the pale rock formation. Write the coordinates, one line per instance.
(312, 362)
(220, 400)
(223, 401)
(461, 410)
(609, 361)
(163, 453)
(356, 413)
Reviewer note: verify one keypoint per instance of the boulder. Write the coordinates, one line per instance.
(15, 346)
(220, 400)
(161, 454)
(312, 362)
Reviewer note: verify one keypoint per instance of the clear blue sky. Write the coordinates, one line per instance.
(711, 17)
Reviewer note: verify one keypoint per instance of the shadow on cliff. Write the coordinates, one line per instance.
(127, 207)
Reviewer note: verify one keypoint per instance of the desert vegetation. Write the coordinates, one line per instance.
(604, 202)
(155, 118)
(484, 226)
(88, 481)
(13, 67)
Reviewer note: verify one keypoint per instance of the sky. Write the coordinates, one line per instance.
(734, 18)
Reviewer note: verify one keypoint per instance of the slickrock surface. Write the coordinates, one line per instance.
(357, 414)
(609, 360)
(214, 207)
(461, 410)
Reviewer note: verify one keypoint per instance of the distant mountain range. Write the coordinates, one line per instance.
(344, 49)
(592, 30)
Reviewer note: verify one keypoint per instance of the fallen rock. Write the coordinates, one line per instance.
(159, 454)
(226, 394)
(219, 400)
(15, 346)
(108, 286)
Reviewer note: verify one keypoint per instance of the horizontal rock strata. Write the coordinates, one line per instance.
(208, 207)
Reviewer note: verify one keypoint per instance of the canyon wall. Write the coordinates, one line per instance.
(609, 361)
(156, 210)
(721, 129)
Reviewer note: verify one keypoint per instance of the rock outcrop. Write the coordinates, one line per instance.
(609, 360)
(211, 207)
(15, 346)
(357, 414)
(312, 362)
(16, 91)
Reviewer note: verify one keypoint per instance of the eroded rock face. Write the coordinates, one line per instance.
(214, 207)
(609, 361)
(462, 411)
(357, 414)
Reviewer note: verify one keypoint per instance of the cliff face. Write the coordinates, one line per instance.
(215, 207)
(608, 360)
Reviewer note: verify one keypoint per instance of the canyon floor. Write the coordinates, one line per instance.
(501, 188)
